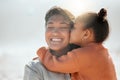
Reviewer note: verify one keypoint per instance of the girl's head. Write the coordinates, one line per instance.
(90, 27)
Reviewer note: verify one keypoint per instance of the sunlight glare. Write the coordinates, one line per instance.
(78, 7)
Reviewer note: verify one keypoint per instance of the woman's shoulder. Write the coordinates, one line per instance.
(35, 65)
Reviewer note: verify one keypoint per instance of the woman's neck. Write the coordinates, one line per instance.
(60, 52)
(64, 51)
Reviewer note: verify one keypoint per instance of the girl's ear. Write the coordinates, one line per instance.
(87, 33)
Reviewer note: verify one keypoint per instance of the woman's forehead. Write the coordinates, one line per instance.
(58, 17)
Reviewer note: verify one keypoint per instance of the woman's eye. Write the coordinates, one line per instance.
(64, 28)
(50, 28)
(58, 28)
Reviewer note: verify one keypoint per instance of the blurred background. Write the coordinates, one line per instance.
(22, 30)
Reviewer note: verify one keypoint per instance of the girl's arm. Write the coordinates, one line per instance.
(74, 61)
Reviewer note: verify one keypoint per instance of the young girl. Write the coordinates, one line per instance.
(92, 60)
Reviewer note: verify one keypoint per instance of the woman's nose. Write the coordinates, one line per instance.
(55, 31)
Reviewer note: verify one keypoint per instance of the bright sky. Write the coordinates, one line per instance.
(22, 21)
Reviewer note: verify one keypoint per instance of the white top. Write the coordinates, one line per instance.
(36, 71)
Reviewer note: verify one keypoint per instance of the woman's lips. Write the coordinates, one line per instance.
(56, 40)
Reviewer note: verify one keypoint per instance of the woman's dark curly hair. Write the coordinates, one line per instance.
(59, 11)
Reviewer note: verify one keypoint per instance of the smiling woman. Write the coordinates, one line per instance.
(58, 23)
(57, 32)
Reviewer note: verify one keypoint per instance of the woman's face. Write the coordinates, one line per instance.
(57, 33)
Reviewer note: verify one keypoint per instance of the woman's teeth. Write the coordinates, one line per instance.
(56, 39)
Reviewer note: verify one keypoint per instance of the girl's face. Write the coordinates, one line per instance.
(77, 33)
(81, 36)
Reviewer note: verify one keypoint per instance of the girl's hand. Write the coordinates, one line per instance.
(41, 53)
